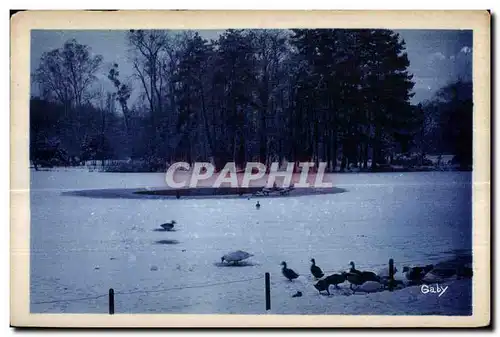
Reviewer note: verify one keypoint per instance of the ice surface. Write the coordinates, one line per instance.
(80, 246)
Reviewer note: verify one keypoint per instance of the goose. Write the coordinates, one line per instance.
(236, 257)
(288, 273)
(315, 270)
(257, 205)
(169, 225)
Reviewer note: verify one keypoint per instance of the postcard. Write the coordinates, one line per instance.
(250, 169)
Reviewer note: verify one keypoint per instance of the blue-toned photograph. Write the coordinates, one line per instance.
(253, 171)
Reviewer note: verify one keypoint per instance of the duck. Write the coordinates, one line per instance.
(257, 205)
(361, 279)
(354, 279)
(370, 276)
(353, 269)
(334, 279)
(315, 270)
(365, 275)
(236, 256)
(288, 273)
(322, 285)
(168, 226)
(357, 277)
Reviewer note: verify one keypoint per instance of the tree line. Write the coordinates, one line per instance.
(322, 95)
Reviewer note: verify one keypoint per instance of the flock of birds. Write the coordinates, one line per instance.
(380, 280)
(354, 276)
(370, 280)
(375, 281)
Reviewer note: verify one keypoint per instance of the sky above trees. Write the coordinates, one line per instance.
(437, 57)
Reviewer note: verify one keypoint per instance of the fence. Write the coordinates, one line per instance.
(112, 293)
(267, 288)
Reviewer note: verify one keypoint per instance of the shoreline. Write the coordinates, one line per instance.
(196, 193)
(391, 169)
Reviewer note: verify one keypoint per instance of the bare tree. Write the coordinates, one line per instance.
(150, 54)
(148, 49)
(67, 74)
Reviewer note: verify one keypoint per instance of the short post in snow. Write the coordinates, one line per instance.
(111, 301)
(268, 292)
(391, 274)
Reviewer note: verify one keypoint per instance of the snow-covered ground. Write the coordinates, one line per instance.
(80, 246)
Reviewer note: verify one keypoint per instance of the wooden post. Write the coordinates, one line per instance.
(268, 292)
(391, 274)
(111, 301)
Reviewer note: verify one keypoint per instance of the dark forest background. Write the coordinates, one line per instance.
(322, 95)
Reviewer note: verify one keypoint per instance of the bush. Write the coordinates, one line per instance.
(130, 167)
(411, 160)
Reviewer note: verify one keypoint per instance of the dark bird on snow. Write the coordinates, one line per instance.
(322, 285)
(297, 294)
(357, 277)
(354, 279)
(315, 270)
(334, 279)
(360, 279)
(353, 269)
(365, 275)
(370, 276)
(257, 205)
(288, 273)
(169, 225)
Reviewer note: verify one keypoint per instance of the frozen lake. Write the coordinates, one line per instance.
(81, 246)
